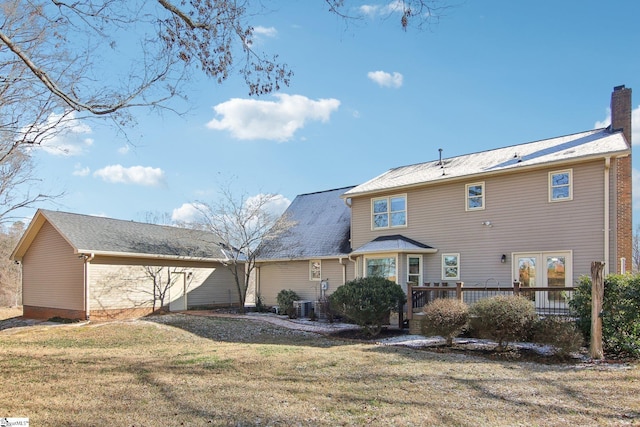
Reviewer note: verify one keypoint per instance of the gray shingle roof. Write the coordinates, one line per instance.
(598, 142)
(321, 228)
(106, 235)
(394, 243)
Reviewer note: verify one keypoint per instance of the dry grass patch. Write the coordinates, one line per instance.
(195, 370)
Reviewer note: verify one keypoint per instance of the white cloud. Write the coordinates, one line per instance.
(265, 31)
(276, 205)
(384, 79)
(139, 175)
(62, 135)
(635, 124)
(369, 9)
(124, 149)
(251, 119)
(188, 213)
(78, 170)
(391, 7)
(192, 212)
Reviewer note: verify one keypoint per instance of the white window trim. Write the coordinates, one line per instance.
(550, 184)
(388, 199)
(311, 278)
(379, 256)
(442, 266)
(419, 265)
(466, 194)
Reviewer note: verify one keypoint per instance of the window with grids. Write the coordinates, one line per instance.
(315, 270)
(450, 266)
(389, 212)
(560, 185)
(475, 196)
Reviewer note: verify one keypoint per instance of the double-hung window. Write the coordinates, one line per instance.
(560, 185)
(475, 196)
(450, 266)
(388, 212)
(414, 269)
(315, 270)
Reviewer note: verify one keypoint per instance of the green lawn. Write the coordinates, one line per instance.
(190, 370)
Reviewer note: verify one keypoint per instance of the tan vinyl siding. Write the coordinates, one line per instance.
(53, 275)
(522, 220)
(294, 275)
(125, 283)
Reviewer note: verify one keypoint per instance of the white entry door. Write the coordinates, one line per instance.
(544, 269)
(178, 292)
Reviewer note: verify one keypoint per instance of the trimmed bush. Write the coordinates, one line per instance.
(620, 313)
(285, 299)
(559, 333)
(503, 319)
(445, 317)
(368, 301)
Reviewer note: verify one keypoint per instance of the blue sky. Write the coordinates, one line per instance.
(365, 97)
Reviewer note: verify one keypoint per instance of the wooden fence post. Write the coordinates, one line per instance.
(459, 286)
(409, 301)
(597, 295)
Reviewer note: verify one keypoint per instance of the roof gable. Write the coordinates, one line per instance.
(564, 149)
(108, 236)
(321, 228)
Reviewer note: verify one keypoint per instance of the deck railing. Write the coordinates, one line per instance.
(547, 300)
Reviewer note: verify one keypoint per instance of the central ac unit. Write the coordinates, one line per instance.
(303, 308)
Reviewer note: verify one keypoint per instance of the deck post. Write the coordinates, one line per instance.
(516, 287)
(459, 286)
(597, 295)
(409, 301)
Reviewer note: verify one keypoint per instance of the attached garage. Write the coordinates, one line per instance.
(87, 267)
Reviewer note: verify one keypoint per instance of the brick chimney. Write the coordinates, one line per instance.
(621, 121)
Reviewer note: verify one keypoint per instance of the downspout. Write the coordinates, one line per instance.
(607, 214)
(86, 261)
(355, 266)
(344, 271)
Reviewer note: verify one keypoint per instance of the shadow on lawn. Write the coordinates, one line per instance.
(246, 330)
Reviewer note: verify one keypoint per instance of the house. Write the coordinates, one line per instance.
(312, 258)
(538, 213)
(80, 267)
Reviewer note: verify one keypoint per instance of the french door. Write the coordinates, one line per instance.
(547, 270)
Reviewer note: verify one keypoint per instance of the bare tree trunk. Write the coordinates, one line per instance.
(597, 296)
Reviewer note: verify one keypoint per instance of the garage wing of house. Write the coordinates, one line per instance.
(79, 267)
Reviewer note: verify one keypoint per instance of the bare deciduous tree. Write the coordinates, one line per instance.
(63, 61)
(10, 279)
(244, 226)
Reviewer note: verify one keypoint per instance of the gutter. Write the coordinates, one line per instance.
(607, 214)
(150, 256)
(87, 258)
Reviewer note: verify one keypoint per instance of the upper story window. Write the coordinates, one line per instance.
(475, 196)
(560, 185)
(315, 270)
(389, 212)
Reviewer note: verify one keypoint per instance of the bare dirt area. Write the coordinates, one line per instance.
(195, 370)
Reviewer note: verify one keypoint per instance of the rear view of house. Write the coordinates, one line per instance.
(86, 267)
(537, 213)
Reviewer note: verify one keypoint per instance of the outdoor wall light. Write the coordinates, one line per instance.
(503, 259)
